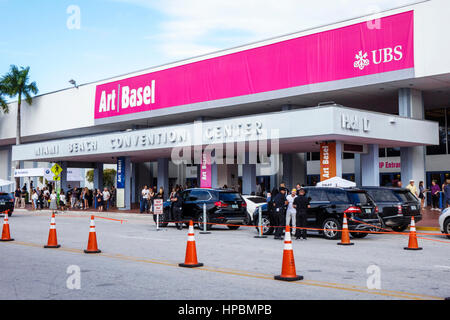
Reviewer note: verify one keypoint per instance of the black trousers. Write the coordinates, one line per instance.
(279, 222)
(435, 200)
(177, 213)
(301, 223)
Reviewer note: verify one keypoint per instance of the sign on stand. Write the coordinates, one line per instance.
(158, 209)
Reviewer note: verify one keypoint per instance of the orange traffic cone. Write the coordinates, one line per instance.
(412, 245)
(92, 242)
(52, 239)
(345, 239)
(288, 272)
(191, 252)
(6, 236)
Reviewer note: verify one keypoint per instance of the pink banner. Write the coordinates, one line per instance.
(352, 51)
(205, 171)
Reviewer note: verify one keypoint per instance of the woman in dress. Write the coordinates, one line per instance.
(53, 204)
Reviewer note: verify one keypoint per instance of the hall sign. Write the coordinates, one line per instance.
(348, 52)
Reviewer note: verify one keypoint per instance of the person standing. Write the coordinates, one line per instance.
(435, 190)
(62, 201)
(177, 207)
(301, 204)
(106, 197)
(422, 191)
(34, 199)
(447, 193)
(291, 212)
(279, 206)
(412, 188)
(23, 195)
(151, 197)
(53, 204)
(17, 197)
(144, 200)
(99, 200)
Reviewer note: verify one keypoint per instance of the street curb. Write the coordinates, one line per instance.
(428, 228)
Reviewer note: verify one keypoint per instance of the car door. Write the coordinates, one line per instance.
(318, 201)
(187, 205)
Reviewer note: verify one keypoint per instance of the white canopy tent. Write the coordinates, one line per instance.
(5, 185)
(336, 182)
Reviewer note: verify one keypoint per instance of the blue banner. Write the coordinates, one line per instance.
(121, 173)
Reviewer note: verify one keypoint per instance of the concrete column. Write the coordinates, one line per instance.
(410, 105)
(370, 167)
(339, 148)
(163, 175)
(287, 170)
(128, 181)
(98, 176)
(358, 177)
(275, 167)
(64, 183)
(133, 183)
(248, 176)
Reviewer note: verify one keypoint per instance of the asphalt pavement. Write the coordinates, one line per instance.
(139, 262)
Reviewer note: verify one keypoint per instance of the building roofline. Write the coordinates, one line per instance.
(213, 53)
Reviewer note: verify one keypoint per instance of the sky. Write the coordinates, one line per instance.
(90, 40)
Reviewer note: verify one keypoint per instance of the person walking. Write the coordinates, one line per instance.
(435, 190)
(279, 206)
(301, 204)
(86, 198)
(291, 212)
(177, 207)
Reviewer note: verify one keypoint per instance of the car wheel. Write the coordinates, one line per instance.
(400, 228)
(200, 223)
(267, 229)
(330, 226)
(248, 220)
(233, 227)
(447, 227)
(359, 235)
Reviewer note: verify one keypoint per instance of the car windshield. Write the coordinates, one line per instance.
(405, 196)
(359, 198)
(229, 196)
(5, 197)
(380, 195)
(257, 199)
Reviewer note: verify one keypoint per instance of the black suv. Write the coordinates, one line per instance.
(6, 203)
(222, 206)
(396, 206)
(327, 211)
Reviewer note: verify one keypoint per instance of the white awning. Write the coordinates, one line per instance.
(4, 183)
(336, 182)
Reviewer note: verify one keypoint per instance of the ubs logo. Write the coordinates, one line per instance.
(385, 55)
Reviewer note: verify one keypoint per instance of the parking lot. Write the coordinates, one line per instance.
(139, 262)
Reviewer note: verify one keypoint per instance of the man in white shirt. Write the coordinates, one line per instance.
(291, 212)
(106, 196)
(145, 197)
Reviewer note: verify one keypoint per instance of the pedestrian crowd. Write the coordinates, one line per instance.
(74, 198)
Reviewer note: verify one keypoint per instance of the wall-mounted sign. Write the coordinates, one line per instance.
(348, 52)
(327, 160)
(205, 171)
(355, 123)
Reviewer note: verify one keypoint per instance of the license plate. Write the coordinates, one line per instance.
(413, 208)
(368, 210)
(234, 206)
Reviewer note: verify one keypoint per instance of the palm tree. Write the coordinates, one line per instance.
(16, 84)
(3, 105)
